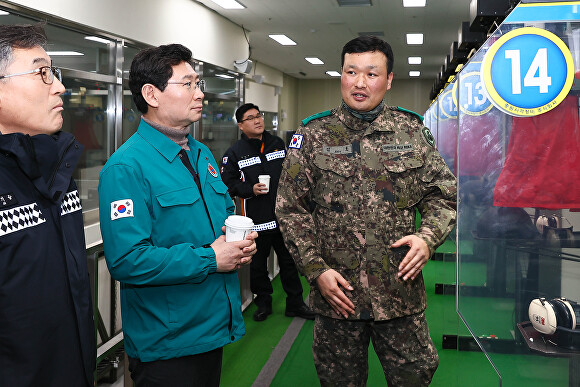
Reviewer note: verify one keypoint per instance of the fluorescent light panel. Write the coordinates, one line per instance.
(333, 73)
(224, 76)
(283, 40)
(64, 53)
(314, 61)
(414, 73)
(97, 39)
(229, 4)
(414, 60)
(3, 13)
(414, 38)
(414, 3)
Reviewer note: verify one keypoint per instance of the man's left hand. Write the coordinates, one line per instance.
(415, 259)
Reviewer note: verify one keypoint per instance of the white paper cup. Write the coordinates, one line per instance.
(238, 227)
(265, 179)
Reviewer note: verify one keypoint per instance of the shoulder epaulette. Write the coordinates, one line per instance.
(410, 111)
(315, 116)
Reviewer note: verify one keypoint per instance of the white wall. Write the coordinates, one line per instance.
(211, 37)
(262, 95)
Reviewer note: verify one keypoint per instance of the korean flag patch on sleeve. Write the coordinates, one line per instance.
(296, 141)
(122, 209)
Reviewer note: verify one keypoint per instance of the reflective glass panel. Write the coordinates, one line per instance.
(518, 220)
(86, 116)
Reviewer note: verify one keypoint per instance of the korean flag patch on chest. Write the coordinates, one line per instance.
(122, 209)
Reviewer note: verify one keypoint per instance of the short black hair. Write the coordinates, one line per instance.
(369, 43)
(155, 66)
(19, 36)
(243, 109)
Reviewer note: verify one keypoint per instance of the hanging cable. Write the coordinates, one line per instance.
(249, 49)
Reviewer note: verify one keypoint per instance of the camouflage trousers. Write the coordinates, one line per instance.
(403, 346)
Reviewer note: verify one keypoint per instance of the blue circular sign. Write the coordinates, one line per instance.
(470, 91)
(527, 71)
(447, 106)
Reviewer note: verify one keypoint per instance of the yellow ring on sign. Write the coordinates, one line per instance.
(440, 103)
(498, 101)
(466, 111)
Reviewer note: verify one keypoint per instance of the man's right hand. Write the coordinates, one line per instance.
(328, 284)
(260, 189)
(230, 256)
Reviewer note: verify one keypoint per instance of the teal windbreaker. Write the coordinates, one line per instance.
(154, 225)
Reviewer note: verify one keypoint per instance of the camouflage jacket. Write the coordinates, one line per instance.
(348, 190)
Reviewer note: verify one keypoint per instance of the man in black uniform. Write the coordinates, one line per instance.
(46, 317)
(260, 153)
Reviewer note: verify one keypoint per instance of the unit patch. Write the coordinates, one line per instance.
(428, 136)
(122, 209)
(212, 170)
(225, 160)
(296, 141)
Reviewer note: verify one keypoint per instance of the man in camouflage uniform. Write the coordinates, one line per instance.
(350, 187)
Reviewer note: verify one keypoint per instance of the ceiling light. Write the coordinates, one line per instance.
(229, 4)
(283, 40)
(333, 73)
(224, 76)
(3, 13)
(64, 53)
(414, 73)
(414, 38)
(414, 3)
(97, 39)
(314, 61)
(414, 60)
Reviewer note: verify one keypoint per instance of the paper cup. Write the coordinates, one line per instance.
(265, 179)
(238, 227)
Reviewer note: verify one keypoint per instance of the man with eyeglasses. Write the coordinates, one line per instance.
(46, 316)
(162, 207)
(261, 153)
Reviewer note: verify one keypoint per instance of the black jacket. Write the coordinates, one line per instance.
(242, 163)
(47, 335)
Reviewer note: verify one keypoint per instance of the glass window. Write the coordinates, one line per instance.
(131, 115)
(129, 53)
(218, 129)
(80, 51)
(87, 115)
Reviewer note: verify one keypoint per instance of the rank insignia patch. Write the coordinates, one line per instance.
(7, 200)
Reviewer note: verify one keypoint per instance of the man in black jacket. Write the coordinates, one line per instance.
(260, 153)
(47, 335)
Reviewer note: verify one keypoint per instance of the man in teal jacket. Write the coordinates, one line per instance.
(162, 210)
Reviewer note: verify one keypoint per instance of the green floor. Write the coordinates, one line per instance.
(243, 360)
